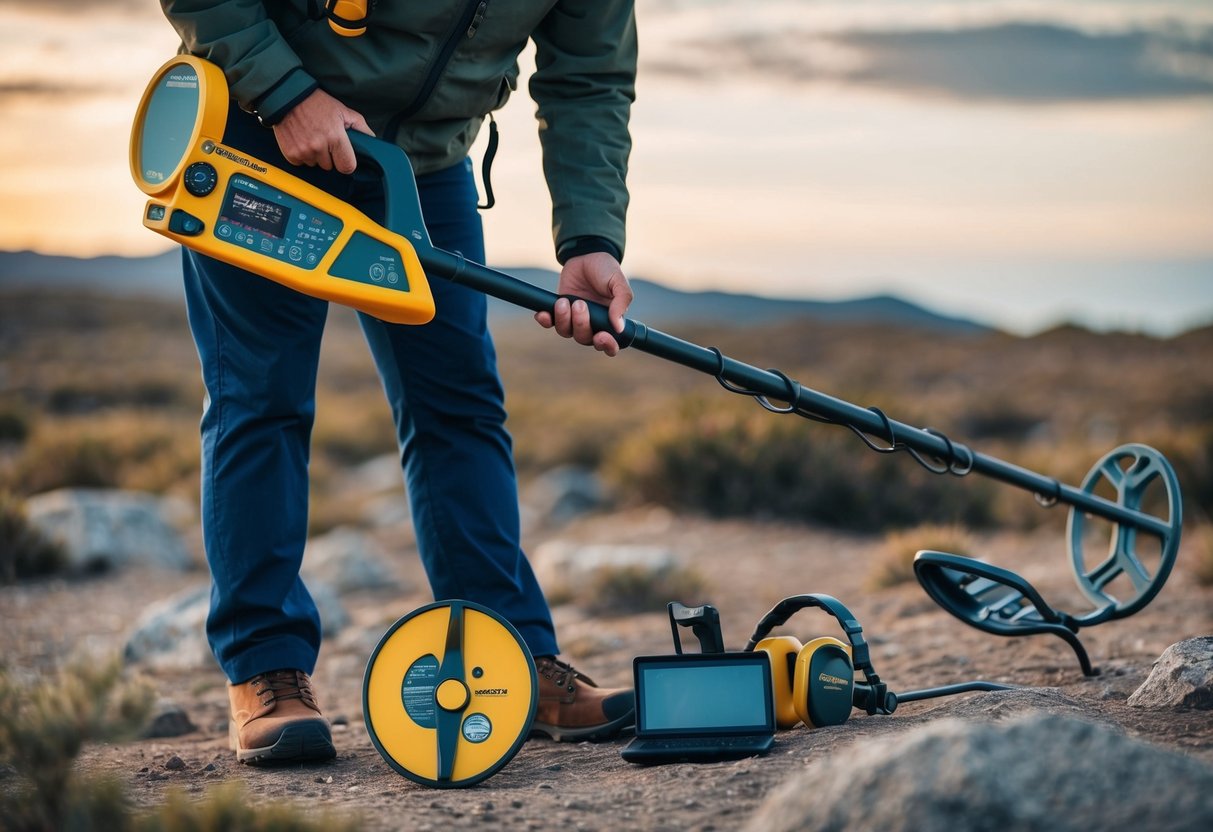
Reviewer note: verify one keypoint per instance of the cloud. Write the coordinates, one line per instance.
(52, 90)
(75, 6)
(1011, 62)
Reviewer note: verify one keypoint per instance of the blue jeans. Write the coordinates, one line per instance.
(259, 345)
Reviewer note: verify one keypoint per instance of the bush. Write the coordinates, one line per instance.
(1201, 537)
(44, 726)
(119, 450)
(626, 590)
(42, 729)
(24, 551)
(229, 809)
(14, 424)
(895, 565)
(753, 463)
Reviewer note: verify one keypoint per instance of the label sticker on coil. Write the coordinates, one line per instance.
(417, 691)
(477, 728)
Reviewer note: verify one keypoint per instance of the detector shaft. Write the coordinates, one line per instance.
(807, 402)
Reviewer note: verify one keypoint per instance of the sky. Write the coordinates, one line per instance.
(1022, 163)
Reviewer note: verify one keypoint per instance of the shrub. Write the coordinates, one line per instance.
(44, 726)
(119, 450)
(626, 590)
(895, 564)
(14, 423)
(24, 551)
(1202, 547)
(42, 729)
(229, 809)
(736, 464)
(353, 427)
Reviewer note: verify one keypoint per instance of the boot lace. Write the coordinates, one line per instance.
(562, 674)
(277, 685)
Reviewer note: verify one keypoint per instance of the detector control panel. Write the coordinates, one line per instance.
(220, 202)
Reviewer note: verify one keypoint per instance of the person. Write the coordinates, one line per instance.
(423, 75)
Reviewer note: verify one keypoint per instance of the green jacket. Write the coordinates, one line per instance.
(430, 72)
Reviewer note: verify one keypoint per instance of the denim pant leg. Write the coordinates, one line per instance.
(446, 396)
(259, 345)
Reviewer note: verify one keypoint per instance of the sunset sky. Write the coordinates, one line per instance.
(1019, 162)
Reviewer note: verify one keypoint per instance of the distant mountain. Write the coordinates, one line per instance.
(655, 304)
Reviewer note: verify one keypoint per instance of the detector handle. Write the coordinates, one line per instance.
(403, 215)
(401, 203)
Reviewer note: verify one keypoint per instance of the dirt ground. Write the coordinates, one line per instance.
(748, 566)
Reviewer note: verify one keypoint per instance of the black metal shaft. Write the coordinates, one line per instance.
(807, 402)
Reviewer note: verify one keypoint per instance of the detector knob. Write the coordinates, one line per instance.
(200, 178)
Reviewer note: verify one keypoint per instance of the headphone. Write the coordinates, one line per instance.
(348, 18)
(814, 683)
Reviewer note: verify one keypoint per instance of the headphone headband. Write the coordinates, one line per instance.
(784, 610)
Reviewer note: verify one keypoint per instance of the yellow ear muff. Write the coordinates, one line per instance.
(823, 682)
(783, 651)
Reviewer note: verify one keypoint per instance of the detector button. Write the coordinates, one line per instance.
(200, 178)
(185, 223)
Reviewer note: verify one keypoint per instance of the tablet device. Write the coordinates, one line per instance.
(702, 707)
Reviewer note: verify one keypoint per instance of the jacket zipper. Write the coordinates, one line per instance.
(469, 23)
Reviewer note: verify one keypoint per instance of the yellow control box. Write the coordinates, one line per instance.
(240, 210)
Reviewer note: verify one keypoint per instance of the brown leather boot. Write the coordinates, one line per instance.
(572, 708)
(276, 719)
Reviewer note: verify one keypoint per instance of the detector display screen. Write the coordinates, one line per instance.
(258, 214)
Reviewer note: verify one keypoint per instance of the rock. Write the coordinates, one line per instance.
(564, 493)
(171, 634)
(347, 560)
(168, 720)
(381, 473)
(104, 529)
(174, 763)
(1182, 677)
(561, 564)
(1036, 771)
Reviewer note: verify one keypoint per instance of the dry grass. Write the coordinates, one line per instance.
(1200, 541)
(625, 590)
(43, 727)
(24, 551)
(895, 564)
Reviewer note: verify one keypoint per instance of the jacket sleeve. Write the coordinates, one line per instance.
(584, 85)
(263, 73)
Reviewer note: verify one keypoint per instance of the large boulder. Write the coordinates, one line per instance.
(1035, 771)
(1181, 678)
(102, 529)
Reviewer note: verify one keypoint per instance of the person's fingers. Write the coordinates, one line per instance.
(621, 299)
(604, 343)
(562, 318)
(342, 154)
(357, 122)
(544, 319)
(583, 332)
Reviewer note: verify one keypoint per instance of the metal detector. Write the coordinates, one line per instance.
(218, 201)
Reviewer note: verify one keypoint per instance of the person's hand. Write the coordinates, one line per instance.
(313, 133)
(596, 277)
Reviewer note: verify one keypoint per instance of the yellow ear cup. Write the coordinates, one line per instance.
(823, 682)
(783, 651)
